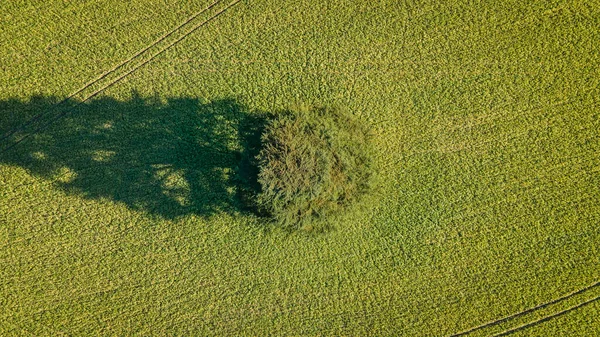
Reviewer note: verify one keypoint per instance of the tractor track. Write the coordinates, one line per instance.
(106, 73)
(530, 310)
(546, 318)
(143, 51)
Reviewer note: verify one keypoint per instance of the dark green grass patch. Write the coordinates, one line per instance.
(314, 162)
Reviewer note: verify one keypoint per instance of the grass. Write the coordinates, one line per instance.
(122, 217)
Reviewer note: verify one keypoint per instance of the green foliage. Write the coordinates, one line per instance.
(313, 163)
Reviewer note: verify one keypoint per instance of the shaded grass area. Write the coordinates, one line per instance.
(168, 157)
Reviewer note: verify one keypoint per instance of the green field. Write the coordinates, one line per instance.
(120, 209)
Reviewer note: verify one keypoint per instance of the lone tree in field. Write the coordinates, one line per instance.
(313, 163)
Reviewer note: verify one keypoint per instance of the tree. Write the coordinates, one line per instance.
(314, 162)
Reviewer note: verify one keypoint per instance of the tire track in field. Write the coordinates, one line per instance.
(546, 318)
(111, 71)
(533, 309)
(108, 72)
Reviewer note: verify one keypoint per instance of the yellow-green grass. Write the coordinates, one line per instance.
(122, 218)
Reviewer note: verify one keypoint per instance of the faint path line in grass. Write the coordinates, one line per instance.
(501, 140)
(132, 57)
(546, 318)
(110, 71)
(521, 313)
(511, 115)
(464, 214)
(118, 79)
(507, 137)
(89, 84)
(501, 112)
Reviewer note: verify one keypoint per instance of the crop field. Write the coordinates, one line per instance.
(122, 125)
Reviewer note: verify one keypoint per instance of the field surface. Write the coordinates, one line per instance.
(120, 209)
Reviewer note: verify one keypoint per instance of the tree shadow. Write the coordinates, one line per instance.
(168, 157)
